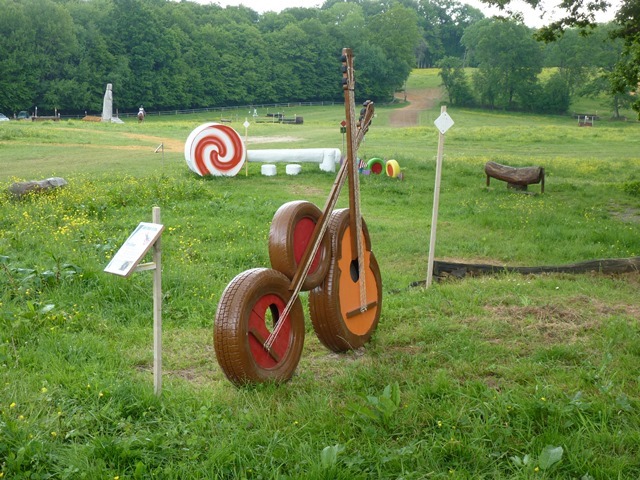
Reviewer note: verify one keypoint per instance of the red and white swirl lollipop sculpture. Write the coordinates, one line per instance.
(215, 149)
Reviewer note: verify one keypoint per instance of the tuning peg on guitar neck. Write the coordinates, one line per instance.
(345, 74)
(366, 106)
(347, 70)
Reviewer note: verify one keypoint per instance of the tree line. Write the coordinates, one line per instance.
(60, 54)
(509, 63)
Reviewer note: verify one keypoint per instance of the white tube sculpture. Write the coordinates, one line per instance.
(328, 158)
(217, 149)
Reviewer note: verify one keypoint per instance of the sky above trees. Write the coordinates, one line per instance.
(531, 17)
(272, 5)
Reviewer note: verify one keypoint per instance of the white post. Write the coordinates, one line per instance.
(436, 200)
(157, 310)
(246, 135)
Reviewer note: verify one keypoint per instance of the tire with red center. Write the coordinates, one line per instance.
(393, 168)
(246, 319)
(289, 235)
(376, 166)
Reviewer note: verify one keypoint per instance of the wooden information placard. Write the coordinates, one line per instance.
(134, 249)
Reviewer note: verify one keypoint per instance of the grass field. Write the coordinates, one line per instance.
(503, 376)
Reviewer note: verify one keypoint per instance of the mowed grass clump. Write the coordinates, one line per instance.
(503, 376)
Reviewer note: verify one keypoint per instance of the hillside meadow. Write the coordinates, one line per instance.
(503, 376)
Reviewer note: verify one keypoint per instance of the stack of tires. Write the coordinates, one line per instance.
(257, 338)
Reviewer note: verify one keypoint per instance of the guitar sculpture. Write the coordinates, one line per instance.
(259, 326)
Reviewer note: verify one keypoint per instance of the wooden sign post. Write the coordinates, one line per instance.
(127, 260)
(160, 148)
(444, 122)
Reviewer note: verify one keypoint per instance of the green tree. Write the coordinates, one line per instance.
(17, 84)
(395, 32)
(617, 86)
(607, 54)
(94, 61)
(37, 45)
(322, 71)
(241, 62)
(443, 23)
(555, 96)
(60, 54)
(509, 61)
(291, 48)
(373, 71)
(581, 14)
(455, 82)
(627, 72)
(573, 54)
(346, 23)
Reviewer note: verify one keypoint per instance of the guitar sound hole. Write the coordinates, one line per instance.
(354, 270)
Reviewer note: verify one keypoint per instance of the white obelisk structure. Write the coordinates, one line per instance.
(107, 104)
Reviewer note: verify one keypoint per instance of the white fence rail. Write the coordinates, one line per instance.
(240, 111)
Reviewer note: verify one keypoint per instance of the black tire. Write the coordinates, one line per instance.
(242, 327)
(291, 230)
(329, 302)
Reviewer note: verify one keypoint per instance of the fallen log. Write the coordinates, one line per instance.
(516, 177)
(442, 270)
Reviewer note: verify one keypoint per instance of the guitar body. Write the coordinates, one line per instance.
(335, 305)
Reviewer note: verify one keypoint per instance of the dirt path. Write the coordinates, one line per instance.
(419, 100)
(178, 145)
(170, 145)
